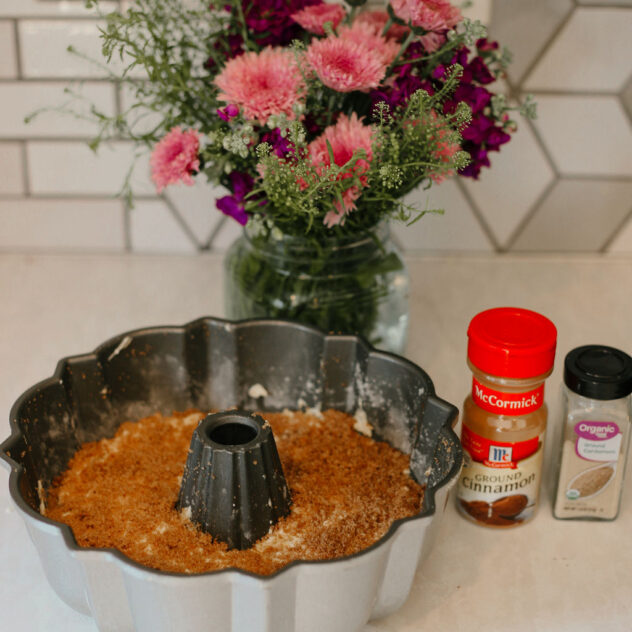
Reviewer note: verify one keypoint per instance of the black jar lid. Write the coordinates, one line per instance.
(598, 372)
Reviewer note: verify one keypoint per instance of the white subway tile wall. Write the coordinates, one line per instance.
(564, 182)
(22, 98)
(196, 208)
(61, 224)
(8, 50)
(44, 49)
(153, 228)
(11, 167)
(82, 171)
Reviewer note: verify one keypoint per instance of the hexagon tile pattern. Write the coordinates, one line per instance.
(526, 27)
(605, 67)
(580, 73)
(626, 97)
(586, 135)
(457, 229)
(505, 193)
(566, 218)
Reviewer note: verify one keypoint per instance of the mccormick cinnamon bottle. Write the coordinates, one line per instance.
(510, 352)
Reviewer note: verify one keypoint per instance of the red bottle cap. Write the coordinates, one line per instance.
(512, 342)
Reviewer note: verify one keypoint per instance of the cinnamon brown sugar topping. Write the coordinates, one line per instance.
(346, 490)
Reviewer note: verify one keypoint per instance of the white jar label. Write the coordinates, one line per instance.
(598, 440)
(591, 471)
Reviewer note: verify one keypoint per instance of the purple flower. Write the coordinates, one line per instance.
(484, 44)
(229, 112)
(270, 23)
(479, 71)
(479, 160)
(439, 72)
(478, 129)
(482, 135)
(233, 205)
(475, 96)
(460, 57)
(495, 138)
(400, 92)
(280, 145)
(312, 126)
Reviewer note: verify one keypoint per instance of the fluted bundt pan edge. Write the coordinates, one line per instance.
(213, 364)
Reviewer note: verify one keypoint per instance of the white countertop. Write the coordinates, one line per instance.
(545, 575)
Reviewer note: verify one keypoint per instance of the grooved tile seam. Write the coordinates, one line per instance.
(528, 216)
(127, 227)
(65, 80)
(74, 197)
(16, 49)
(547, 45)
(208, 246)
(627, 107)
(609, 241)
(479, 216)
(52, 17)
(26, 173)
(180, 220)
(549, 92)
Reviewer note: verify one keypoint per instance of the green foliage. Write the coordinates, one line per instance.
(156, 51)
(407, 152)
(337, 284)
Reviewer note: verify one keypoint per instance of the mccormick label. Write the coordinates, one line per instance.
(501, 403)
(496, 454)
(500, 482)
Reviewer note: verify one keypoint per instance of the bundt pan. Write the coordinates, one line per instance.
(213, 364)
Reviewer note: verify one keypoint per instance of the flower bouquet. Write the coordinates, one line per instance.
(319, 119)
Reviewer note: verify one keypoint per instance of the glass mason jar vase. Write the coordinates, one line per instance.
(351, 285)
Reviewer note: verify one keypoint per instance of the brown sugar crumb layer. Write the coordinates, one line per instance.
(346, 490)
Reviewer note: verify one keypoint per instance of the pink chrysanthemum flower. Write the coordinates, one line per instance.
(175, 158)
(262, 84)
(314, 18)
(364, 34)
(347, 136)
(345, 65)
(432, 15)
(432, 41)
(377, 21)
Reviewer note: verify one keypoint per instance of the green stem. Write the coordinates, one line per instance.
(387, 26)
(448, 46)
(242, 24)
(402, 50)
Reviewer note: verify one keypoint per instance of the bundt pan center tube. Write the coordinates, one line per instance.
(239, 368)
(233, 484)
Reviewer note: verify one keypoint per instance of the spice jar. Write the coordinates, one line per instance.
(597, 412)
(510, 353)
